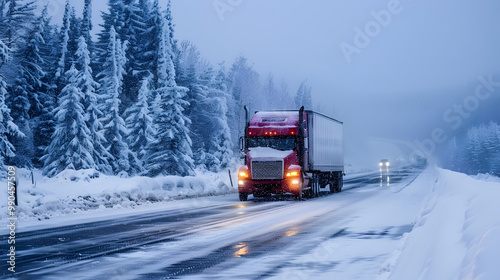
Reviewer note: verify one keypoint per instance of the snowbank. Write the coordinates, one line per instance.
(86, 190)
(457, 233)
(486, 177)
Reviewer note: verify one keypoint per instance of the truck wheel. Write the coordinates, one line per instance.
(336, 183)
(243, 196)
(333, 185)
(341, 182)
(299, 196)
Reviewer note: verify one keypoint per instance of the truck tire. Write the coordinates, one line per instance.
(341, 182)
(337, 183)
(299, 196)
(243, 196)
(333, 185)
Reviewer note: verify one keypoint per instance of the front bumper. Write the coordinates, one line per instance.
(288, 185)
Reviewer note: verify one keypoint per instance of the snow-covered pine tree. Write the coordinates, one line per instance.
(269, 92)
(147, 62)
(135, 24)
(207, 96)
(277, 98)
(139, 122)
(4, 53)
(244, 87)
(71, 146)
(43, 124)
(284, 96)
(219, 144)
(28, 88)
(188, 76)
(32, 62)
(7, 126)
(130, 18)
(303, 97)
(20, 105)
(474, 151)
(452, 157)
(63, 59)
(124, 160)
(113, 18)
(142, 45)
(88, 86)
(198, 112)
(173, 41)
(75, 31)
(171, 153)
(19, 14)
(492, 145)
(87, 24)
(43, 131)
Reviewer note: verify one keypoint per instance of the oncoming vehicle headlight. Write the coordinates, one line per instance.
(292, 173)
(387, 164)
(380, 163)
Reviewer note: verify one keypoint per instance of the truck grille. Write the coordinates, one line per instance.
(267, 170)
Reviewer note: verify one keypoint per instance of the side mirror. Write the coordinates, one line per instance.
(242, 147)
(242, 144)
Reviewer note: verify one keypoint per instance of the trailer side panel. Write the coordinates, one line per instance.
(325, 143)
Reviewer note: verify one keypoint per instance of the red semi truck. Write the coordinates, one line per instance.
(297, 152)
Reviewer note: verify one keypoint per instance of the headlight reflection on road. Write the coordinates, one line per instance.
(241, 249)
(293, 231)
(385, 180)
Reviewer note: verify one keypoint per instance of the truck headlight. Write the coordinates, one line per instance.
(292, 173)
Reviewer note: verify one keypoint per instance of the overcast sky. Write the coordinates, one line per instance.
(387, 68)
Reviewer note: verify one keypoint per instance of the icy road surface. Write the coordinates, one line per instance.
(350, 234)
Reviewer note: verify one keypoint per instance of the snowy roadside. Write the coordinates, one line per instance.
(456, 234)
(76, 192)
(442, 225)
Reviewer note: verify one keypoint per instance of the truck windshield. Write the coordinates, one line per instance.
(278, 143)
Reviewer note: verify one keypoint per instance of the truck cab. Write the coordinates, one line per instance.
(276, 148)
(271, 155)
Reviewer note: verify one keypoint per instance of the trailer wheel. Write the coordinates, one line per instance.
(243, 196)
(337, 183)
(341, 181)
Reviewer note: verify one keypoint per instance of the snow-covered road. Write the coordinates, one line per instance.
(219, 237)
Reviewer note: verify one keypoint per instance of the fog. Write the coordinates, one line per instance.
(390, 70)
